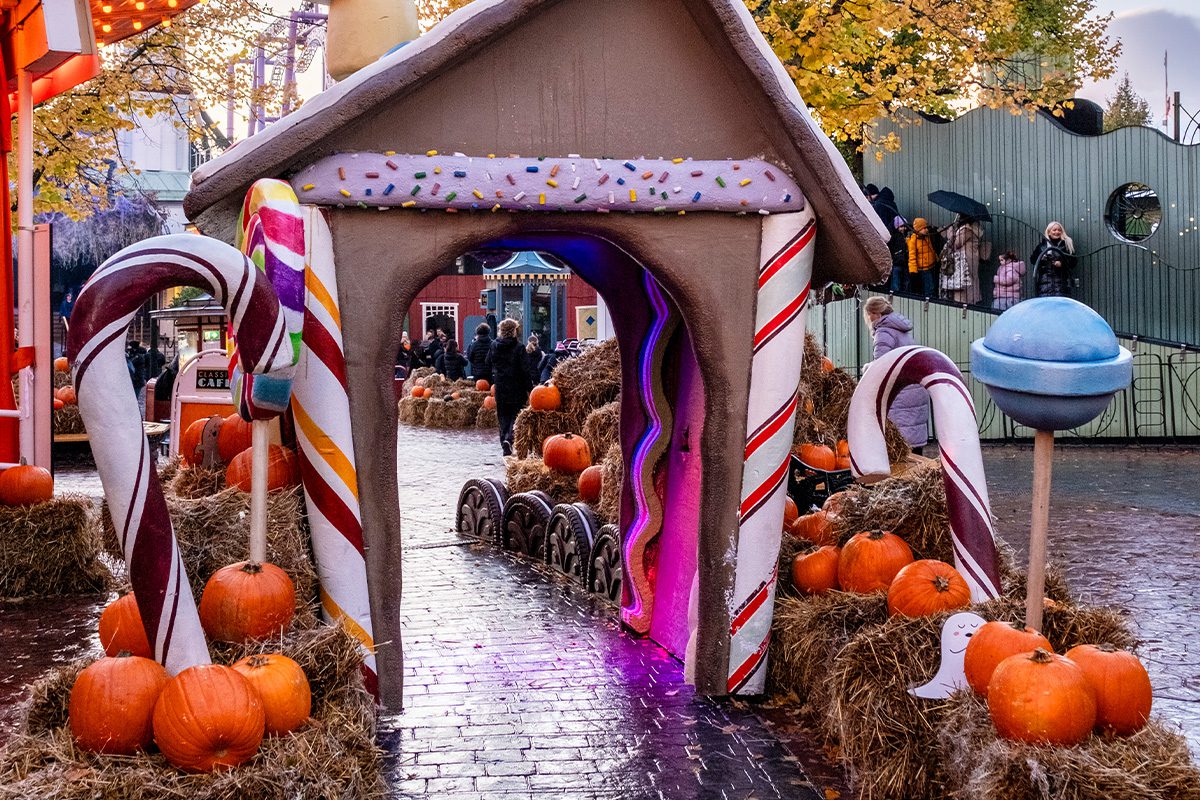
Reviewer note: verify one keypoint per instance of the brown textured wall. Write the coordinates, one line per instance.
(707, 263)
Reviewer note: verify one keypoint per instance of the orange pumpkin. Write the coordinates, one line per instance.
(208, 717)
(842, 449)
(870, 560)
(1121, 685)
(112, 704)
(567, 452)
(835, 503)
(282, 469)
(991, 644)
(58, 404)
(121, 629)
(927, 587)
(418, 392)
(456, 395)
(61, 364)
(489, 402)
(815, 527)
(545, 398)
(482, 386)
(283, 689)
(790, 512)
(1041, 698)
(234, 436)
(189, 442)
(818, 456)
(816, 572)
(827, 364)
(842, 462)
(247, 601)
(590, 482)
(26, 485)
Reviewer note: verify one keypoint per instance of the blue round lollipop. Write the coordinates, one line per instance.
(1051, 363)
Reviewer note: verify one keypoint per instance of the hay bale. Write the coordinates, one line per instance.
(912, 506)
(168, 470)
(589, 380)
(602, 428)
(196, 481)
(448, 414)
(411, 410)
(486, 418)
(334, 755)
(67, 420)
(1153, 764)
(214, 531)
(789, 548)
(51, 548)
(806, 635)
(612, 476)
(530, 474)
(532, 427)
(59, 380)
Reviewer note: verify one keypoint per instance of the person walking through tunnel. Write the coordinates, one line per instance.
(477, 353)
(1053, 259)
(506, 358)
(452, 363)
(910, 410)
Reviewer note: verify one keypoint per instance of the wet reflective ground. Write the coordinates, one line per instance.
(520, 686)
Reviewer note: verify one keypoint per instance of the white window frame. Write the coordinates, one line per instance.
(433, 309)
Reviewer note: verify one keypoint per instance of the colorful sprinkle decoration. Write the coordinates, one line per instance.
(353, 180)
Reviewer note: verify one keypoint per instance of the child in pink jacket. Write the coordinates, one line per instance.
(1007, 283)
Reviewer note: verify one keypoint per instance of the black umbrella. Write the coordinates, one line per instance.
(960, 204)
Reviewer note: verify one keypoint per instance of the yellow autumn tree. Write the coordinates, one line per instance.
(857, 61)
(176, 72)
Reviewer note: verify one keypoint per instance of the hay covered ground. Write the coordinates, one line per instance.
(51, 548)
(848, 666)
(332, 756)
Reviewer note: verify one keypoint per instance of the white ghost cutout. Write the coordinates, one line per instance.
(950, 677)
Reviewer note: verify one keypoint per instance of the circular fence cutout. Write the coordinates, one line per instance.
(1133, 212)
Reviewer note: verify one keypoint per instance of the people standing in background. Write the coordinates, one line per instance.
(67, 305)
(922, 258)
(899, 247)
(1006, 291)
(506, 358)
(477, 352)
(910, 410)
(533, 358)
(451, 363)
(960, 260)
(1053, 259)
(552, 360)
(432, 347)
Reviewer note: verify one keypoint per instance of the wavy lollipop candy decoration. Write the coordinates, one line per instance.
(109, 407)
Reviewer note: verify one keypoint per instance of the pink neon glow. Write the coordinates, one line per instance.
(653, 432)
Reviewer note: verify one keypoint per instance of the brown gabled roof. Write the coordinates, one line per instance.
(851, 244)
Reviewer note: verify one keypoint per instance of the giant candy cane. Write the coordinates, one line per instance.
(788, 242)
(96, 347)
(958, 438)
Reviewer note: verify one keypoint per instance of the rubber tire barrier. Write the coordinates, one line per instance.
(569, 537)
(526, 519)
(604, 565)
(481, 509)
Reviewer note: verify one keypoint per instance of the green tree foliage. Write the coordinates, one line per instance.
(1126, 107)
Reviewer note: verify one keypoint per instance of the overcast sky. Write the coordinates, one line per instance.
(1148, 29)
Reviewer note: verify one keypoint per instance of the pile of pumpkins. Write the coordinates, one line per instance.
(63, 395)
(421, 391)
(234, 437)
(566, 452)
(824, 457)
(206, 717)
(1033, 695)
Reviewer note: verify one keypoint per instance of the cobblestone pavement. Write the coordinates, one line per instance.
(1125, 525)
(518, 685)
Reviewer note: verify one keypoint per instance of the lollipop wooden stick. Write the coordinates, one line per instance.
(258, 491)
(1043, 465)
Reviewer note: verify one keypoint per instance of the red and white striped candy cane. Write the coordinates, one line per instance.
(958, 439)
(109, 407)
(788, 243)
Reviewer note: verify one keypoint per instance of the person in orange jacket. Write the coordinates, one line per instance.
(922, 258)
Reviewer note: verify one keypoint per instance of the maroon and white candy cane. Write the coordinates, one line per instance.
(958, 438)
(109, 407)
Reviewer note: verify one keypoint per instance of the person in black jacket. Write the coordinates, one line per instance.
(533, 358)
(1053, 260)
(451, 363)
(507, 361)
(477, 353)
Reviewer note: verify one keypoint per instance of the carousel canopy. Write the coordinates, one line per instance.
(114, 20)
(527, 265)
